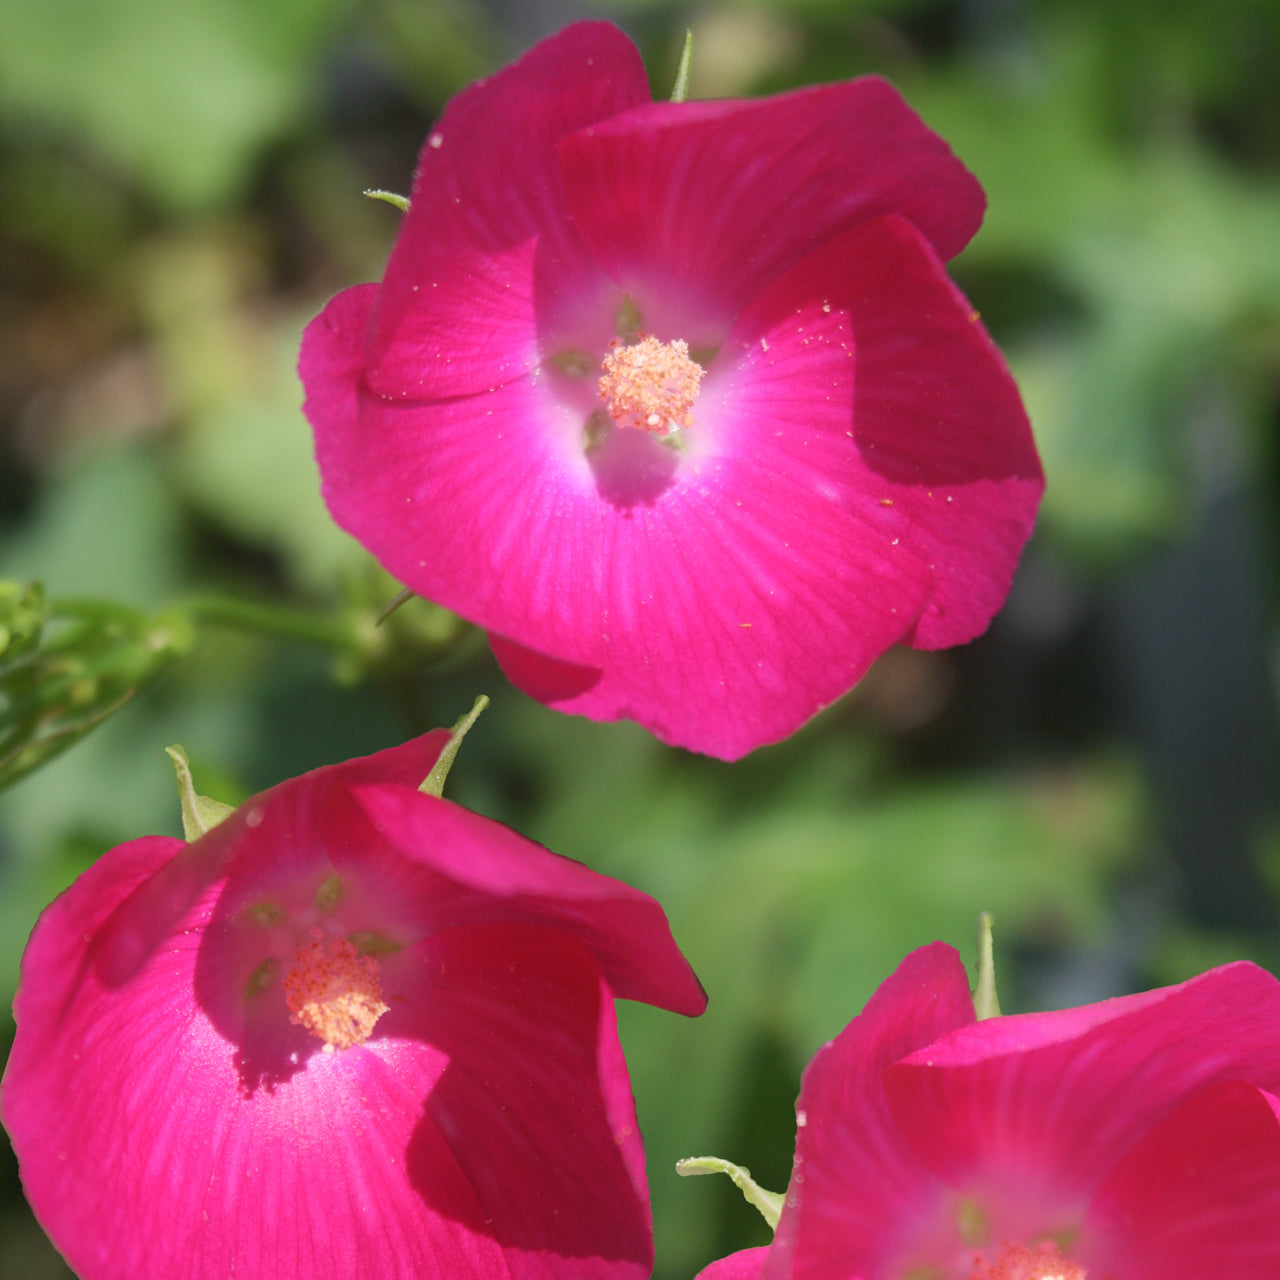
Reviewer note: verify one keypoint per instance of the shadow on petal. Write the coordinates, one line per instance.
(632, 468)
(547, 679)
(527, 1135)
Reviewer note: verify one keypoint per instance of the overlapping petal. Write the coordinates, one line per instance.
(488, 255)
(456, 866)
(170, 1118)
(1016, 1102)
(708, 201)
(858, 1197)
(1199, 1195)
(480, 503)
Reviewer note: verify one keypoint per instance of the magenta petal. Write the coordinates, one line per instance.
(738, 606)
(1198, 1196)
(498, 875)
(483, 504)
(535, 1105)
(487, 258)
(858, 1200)
(936, 448)
(743, 1265)
(170, 1118)
(1011, 1105)
(707, 201)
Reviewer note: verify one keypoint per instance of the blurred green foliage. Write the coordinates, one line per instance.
(180, 187)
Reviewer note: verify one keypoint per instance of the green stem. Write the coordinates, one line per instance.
(266, 619)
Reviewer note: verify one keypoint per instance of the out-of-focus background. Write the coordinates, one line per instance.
(180, 189)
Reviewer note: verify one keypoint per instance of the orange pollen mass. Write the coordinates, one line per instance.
(334, 992)
(651, 385)
(1017, 1262)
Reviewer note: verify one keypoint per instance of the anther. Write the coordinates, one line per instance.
(334, 992)
(650, 386)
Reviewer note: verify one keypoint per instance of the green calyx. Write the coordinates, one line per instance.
(680, 92)
(985, 1002)
(769, 1203)
(199, 813)
(433, 783)
(389, 197)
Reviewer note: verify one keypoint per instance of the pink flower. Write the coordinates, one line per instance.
(1136, 1139)
(677, 400)
(354, 1031)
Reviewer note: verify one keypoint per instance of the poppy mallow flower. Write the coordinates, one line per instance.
(353, 1031)
(676, 400)
(1135, 1139)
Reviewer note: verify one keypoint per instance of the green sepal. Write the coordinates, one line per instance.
(769, 1203)
(389, 197)
(680, 92)
(199, 813)
(986, 1003)
(433, 783)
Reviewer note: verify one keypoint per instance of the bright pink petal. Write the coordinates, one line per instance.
(484, 504)
(743, 1265)
(488, 262)
(1198, 1196)
(759, 584)
(1009, 1108)
(723, 607)
(171, 1120)
(935, 446)
(738, 606)
(454, 866)
(691, 208)
(858, 1200)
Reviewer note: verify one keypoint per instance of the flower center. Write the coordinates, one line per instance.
(1017, 1262)
(650, 385)
(334, 992)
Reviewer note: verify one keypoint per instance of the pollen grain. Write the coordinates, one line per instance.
(334, 992)
(650, 385)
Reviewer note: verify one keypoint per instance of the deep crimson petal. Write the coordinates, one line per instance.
(535, 1105)
(1011, 1105)
(743, 1265)
(858, 1199)
(1199, 1195)
(497, 875)
(935, 447)
(939, 421)
(487, 258)
(707, 201)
